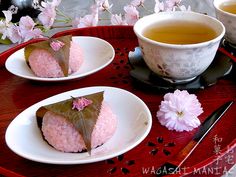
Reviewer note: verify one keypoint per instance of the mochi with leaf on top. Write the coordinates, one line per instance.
(54, 58)
(77, 124)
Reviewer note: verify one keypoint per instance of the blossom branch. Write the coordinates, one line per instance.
(64, 26)
(27, 29)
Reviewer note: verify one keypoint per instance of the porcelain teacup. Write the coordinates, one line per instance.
(227, 18)
(178, 63)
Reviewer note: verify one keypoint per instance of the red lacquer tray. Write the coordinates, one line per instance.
(214, 156)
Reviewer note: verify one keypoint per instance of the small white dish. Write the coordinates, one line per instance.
(134, 123)
(98, 53)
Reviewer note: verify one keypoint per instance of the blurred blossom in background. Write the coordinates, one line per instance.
(23, 20)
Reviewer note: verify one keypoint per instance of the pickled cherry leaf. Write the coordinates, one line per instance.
(62, 55)
(84, 120)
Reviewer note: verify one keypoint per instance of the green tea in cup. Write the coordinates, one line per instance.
(229, 7)
(179, 32)
(178, 46)
(226, 13)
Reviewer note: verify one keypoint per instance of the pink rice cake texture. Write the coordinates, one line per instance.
(43, 64)
(63, 136)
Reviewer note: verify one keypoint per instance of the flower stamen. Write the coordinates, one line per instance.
(180, 114)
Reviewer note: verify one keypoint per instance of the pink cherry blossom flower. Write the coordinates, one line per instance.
(103, 5)
(14, 34)
(8, 16)
(137, 3)
(172, 3)
(6, 23)
(23, 32)
(26, 23)
(35, 33)
(47, 16)
(131, 14)
(159, 6)
(184, 8)
(179, 111)
(117, 20)
(8, 29)
(27, 28)
(56, 45)
(88, 20)
(48, 13)
(81, 103)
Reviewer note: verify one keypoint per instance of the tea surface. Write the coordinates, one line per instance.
(179, 32)
(229, 7)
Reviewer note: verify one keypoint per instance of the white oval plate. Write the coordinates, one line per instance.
(134, 123)
(98, 53)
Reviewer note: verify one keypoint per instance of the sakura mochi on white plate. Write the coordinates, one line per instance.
(85, 55)
(119, 128)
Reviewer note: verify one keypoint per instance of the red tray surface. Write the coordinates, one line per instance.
(16, 94)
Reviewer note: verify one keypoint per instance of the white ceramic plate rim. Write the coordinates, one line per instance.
(76, 75)
(12, 126)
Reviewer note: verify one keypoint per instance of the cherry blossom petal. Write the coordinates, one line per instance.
(56, 45)
(14, 34)
(103, 5)
(172, 3)
(6, 24)
(131, 14)
(8, 15)
(55, 3)
(47, 16)
(81, 103)
(184, 8)
(2, 26)
(48, 12)
(3, 29)
(179, 111)
(117, 20)
(137, 3)
(26, 23)
(35, 33)
(4, 32)
(159, 6)
(88, 20)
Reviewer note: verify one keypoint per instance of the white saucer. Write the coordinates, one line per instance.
(134, 123)
(98, 53)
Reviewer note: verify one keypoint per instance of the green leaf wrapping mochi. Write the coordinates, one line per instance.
(77, 124)
(55, 57)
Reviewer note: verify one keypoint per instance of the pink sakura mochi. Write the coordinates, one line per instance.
(63, 136)
(43, 64)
